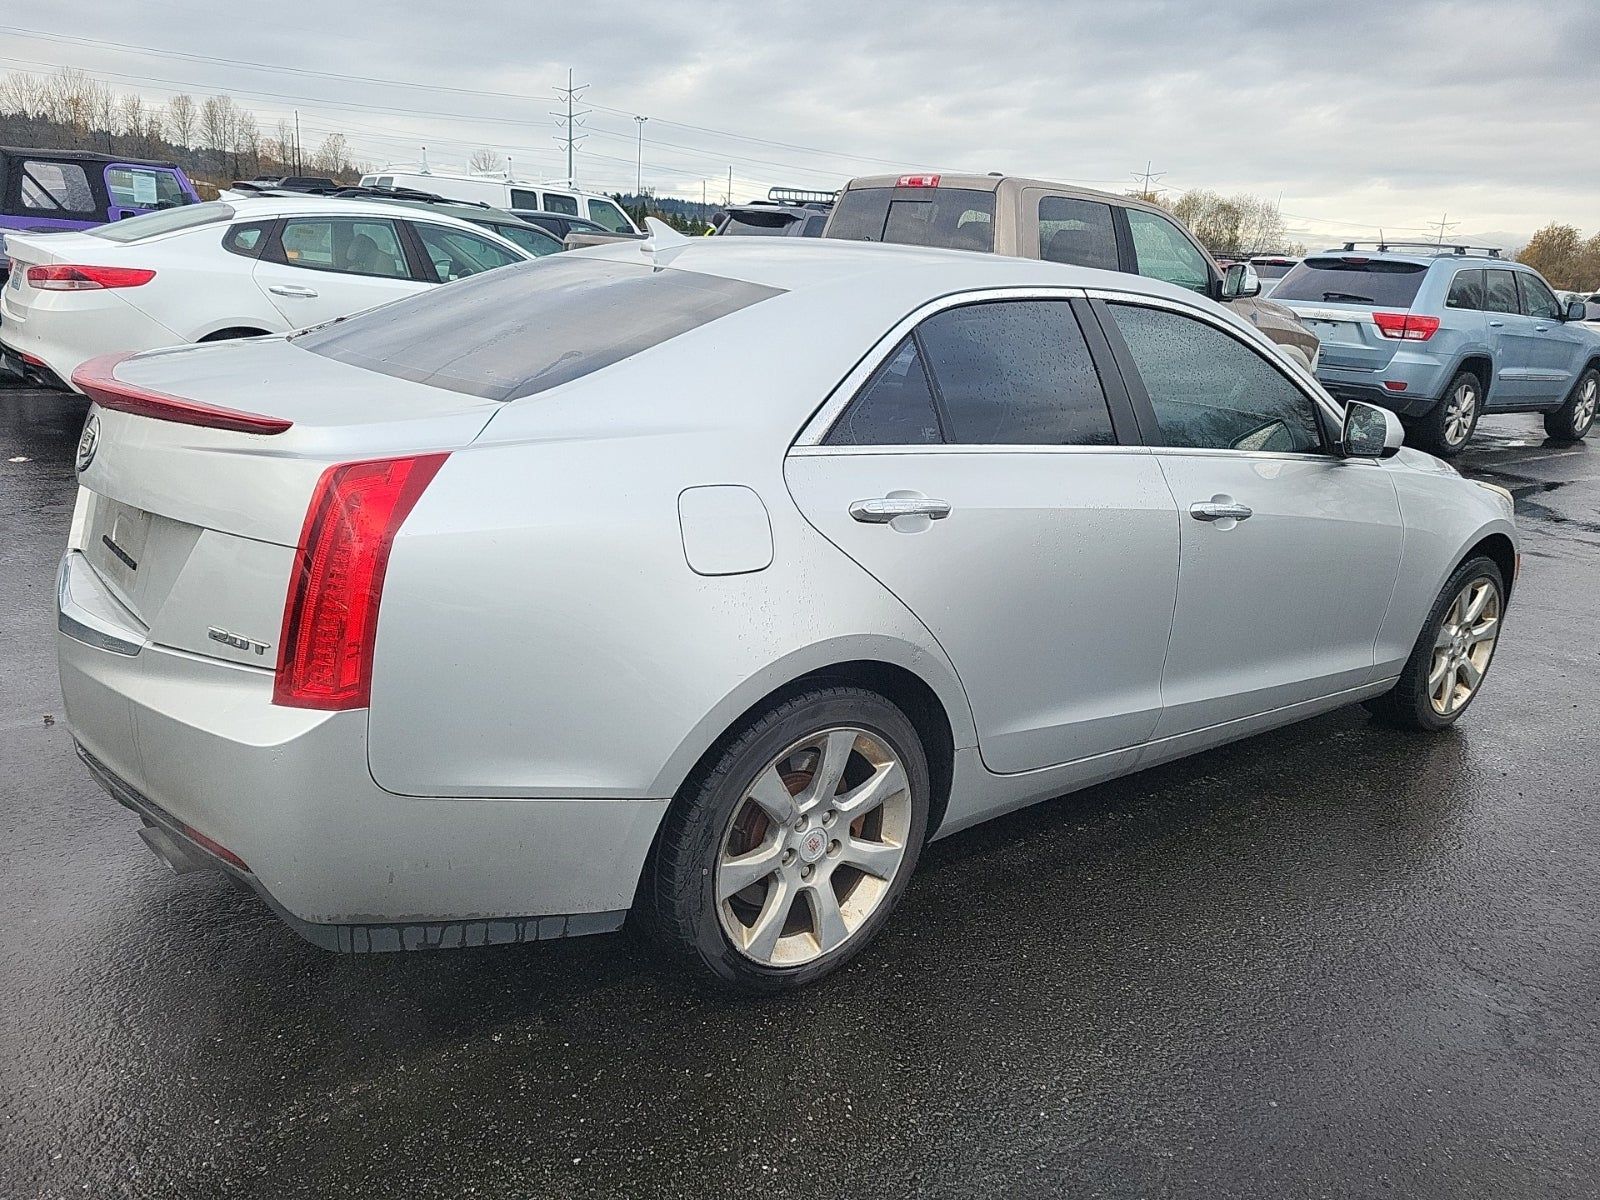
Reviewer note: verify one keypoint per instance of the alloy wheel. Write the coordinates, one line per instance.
(1588, 400)
(1458, 413)
(813, 846)
(1463, 646)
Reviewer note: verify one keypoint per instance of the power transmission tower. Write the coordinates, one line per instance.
(1443, 226)
(1147, 179)
(638, 179)
(572, 120)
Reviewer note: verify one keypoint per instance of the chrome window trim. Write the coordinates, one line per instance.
(799, 451)
(822, 421)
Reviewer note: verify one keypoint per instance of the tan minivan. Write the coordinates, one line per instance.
(1032, 218)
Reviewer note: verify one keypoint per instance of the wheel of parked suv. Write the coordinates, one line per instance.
(1445, 430)
(783, 857)
(1448, 664)
(1576, 417)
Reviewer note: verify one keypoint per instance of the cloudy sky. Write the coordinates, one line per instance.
(1360, 115)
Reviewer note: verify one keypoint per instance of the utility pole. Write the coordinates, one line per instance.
(1443, 225)
(1147, 179)
(638, 179)
(298, 168)
(728, 197)
(572, 120)
(702, 201)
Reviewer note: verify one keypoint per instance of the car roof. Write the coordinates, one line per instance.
(995, 182)
(1424, 256)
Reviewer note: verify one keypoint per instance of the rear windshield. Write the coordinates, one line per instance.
(170, 220)
(1352, 281)
(953, 218)
(759, 224)
(530, 327)
(1272, 270)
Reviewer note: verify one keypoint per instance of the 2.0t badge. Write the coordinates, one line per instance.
(88, 444)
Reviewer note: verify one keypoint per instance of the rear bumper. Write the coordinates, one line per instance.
(1405, 403)
(196, 748)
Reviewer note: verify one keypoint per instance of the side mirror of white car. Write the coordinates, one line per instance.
(1370, 432)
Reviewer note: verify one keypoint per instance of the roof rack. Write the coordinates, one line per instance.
(357, 191)
(1436, 247)
(783, 195)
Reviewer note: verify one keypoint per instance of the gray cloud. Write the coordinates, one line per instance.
(1359, 114)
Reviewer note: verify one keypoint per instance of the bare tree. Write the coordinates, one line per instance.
(181, 120)
(245, 142)
(216, 128)
(25, 95)
(333, 156)
(1242, 224)
(483, 160)
(131, 123)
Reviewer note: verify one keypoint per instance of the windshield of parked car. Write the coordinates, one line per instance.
(1353, 279)
(168, 220)
(530, 327)
(953, 218)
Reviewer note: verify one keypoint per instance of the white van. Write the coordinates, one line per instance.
(508, 193)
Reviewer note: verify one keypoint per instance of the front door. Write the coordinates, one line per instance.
(1288, 555)
(317, 268)
(1036, 545)
(1556, 351)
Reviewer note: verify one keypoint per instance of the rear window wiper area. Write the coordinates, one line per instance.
(1349, 296)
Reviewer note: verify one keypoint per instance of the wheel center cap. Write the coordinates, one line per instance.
(813, 845)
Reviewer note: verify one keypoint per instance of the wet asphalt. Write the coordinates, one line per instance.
(1332, 961)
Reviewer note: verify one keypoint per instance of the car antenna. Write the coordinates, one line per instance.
(660, 237)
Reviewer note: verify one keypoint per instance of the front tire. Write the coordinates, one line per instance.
(1447, 427)
(1575, 418)
(1451, 659)
(782, 859)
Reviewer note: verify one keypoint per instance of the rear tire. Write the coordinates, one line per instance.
(1446, 429)
(1451, 659)
(754, 879)
(1575, 418)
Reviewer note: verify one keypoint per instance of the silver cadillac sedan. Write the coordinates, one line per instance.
(708, 581)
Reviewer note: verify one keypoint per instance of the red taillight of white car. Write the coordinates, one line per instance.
(66, 277)
(1405, 327)
(330, 619)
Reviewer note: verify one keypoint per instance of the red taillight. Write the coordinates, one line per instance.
(330, 619)
(65, 277)
(1406, 327)
(918, 181)
(1396, 385)
(97, 380)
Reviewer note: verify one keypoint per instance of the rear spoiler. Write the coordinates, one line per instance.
(97, 379)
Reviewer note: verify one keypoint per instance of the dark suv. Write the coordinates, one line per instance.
(1442, 334)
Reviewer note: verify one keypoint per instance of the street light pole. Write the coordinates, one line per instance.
(638, 181)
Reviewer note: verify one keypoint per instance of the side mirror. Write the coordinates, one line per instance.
(1240, 282)
(1370, 432)
(1576, 310)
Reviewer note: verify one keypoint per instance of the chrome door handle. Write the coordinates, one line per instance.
(291, 289)
(1211, 511)
(1541, 329)
(885, 509)
(1497, 324)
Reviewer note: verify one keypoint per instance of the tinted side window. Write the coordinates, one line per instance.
(1015, 373)
(1211, 391)
(522, 199)
(246, 240)
(1164, 253)
(456, 254)
(860, 214)
(1466, 290)
(1537, 300)
(565, 205)
(815, 225)
(535, 241)
(1077, 232)
(350, 245)
(609, 216)
(54, 186)
(1501, 293)
(895, 409)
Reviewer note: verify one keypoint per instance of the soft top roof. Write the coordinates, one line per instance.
(81, 156)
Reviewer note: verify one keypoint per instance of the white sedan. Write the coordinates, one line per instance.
(211, 272)
(710, 580)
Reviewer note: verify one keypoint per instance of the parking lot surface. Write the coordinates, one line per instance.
(1336, 960)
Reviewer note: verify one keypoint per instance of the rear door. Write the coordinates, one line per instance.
(1288, 555)
(1511, 339)
(1036, 544)
(316, 268)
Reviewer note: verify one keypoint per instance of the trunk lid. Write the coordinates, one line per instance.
(193, 529)
(1336, 295)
